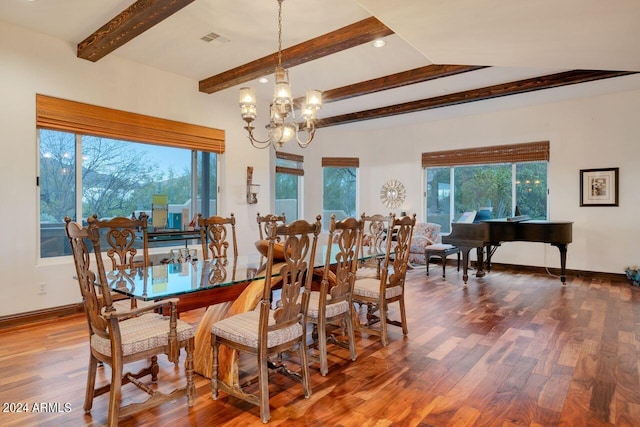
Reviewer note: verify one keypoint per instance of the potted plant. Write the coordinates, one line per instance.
(633, 274)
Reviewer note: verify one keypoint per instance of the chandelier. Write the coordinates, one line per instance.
(282, 125)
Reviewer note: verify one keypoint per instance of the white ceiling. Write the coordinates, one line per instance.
(520, 39)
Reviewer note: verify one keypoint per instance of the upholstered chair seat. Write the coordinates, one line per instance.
(370, 288)
(243, 329)
(332, 309)
(143, 333)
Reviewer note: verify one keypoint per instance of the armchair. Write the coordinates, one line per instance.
(118, 338)
(424, 234)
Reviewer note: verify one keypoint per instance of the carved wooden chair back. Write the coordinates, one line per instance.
(120, 337)
(299, 240)
(121, 236)
(332, 304)
(266, 331)
(93, 300)
(397, 251)
(263, 221)
(374, 239)
(215, 233)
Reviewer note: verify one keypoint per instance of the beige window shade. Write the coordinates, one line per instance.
(292, 158)
(76, 117)
(341, 162)
(526, 152)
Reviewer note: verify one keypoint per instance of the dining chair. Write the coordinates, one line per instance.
(266, 219)
(123, 236)
(373, 244)
(331, 305)
(215, 233)
(377, 294)
(265, 332)
(118, 338)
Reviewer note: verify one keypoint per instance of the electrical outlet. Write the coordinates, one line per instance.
(43, 288)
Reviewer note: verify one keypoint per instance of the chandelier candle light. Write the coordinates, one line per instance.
(282, 125)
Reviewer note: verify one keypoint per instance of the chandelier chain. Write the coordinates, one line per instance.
(280, 32)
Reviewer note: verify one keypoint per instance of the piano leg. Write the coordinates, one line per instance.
(465, 263)
(480, 256)
(562, 247)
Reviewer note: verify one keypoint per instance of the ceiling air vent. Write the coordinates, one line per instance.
(213, 36)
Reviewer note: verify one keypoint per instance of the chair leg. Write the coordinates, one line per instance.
(403, 316)
(383, 309)
(352, 339)
(91, 383)
(188, 366)
(355, 320)
(444, 265)
(214, 376)
(155, 369)
(322, 345)
(116, 392)
(304, 367)
(263, 379)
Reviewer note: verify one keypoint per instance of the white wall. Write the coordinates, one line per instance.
(586, 133)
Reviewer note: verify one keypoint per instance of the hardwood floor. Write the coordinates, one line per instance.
(511, 350)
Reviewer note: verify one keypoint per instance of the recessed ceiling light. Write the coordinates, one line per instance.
(263, 80)
(378, 43)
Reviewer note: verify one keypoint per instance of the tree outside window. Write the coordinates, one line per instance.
(339, 193)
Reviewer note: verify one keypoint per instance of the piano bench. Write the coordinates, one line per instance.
(442, 251)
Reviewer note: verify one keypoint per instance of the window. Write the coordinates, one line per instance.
(116, 178)
(89, 166)
(496, 180)
(339, 188)
(289, 173)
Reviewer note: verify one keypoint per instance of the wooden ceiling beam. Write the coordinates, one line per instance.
(392, 81)
(344, 38)
(481, 94)
(129, 23)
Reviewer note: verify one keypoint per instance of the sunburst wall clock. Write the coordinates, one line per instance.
(392, 193)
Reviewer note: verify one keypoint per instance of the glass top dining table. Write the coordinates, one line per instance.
(175, 279)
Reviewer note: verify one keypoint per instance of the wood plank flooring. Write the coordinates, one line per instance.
(511, 350)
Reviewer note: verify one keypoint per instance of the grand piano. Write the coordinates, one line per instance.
(492, 233)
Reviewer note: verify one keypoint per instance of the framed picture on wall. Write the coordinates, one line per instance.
(599, 187)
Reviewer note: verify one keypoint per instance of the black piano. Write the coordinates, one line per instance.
(491, 233)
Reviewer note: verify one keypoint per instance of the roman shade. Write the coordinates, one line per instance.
(77, 117)
(340, 162)
(513, 153)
